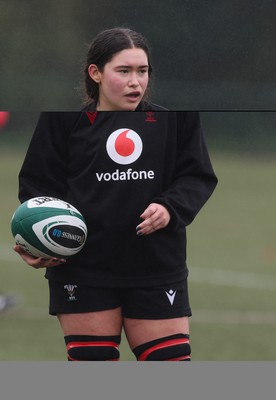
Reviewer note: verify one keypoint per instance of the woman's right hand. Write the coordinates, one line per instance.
(37, 262)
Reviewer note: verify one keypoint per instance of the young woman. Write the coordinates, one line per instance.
(139, 179)
(117, 72)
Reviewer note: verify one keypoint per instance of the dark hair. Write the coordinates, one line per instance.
(105, 45)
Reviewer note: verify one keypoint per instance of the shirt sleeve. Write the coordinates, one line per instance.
(44, 170)
(194, 179)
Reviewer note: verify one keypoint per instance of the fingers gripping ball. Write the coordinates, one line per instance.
(48, 227)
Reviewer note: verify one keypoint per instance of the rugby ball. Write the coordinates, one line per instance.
(48, 227)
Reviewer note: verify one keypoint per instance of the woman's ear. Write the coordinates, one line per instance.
(94, 73)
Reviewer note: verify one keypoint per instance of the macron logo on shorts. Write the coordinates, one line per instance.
(171, 295)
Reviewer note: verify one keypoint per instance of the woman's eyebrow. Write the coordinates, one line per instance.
(130, 66)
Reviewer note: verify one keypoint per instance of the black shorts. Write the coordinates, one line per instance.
(155, 302)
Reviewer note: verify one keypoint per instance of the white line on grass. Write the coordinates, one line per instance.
(205, 316)
(200, 275)
(241, 279)
(234, 317)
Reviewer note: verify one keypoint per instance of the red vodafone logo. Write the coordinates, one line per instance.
(124, 146)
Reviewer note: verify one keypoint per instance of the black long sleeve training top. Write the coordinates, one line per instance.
(111, 166)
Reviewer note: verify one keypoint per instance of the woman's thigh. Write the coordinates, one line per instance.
(139, 331)
(99, 323)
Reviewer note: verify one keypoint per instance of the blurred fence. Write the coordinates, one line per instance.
(206, 55)
(253, 132)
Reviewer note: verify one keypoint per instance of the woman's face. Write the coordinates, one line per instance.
(124, 80)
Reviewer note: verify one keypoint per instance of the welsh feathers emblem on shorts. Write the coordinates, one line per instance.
(71, 292)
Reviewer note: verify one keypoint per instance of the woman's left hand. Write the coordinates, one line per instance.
(155, 217)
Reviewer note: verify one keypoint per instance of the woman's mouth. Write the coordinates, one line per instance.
(133, 96)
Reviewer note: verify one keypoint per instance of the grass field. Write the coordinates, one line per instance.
(231, 257)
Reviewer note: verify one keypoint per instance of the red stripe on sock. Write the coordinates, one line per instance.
(167, 343)
(182, 358)
(73, 345)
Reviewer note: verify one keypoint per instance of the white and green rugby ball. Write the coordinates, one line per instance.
(49, 227)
